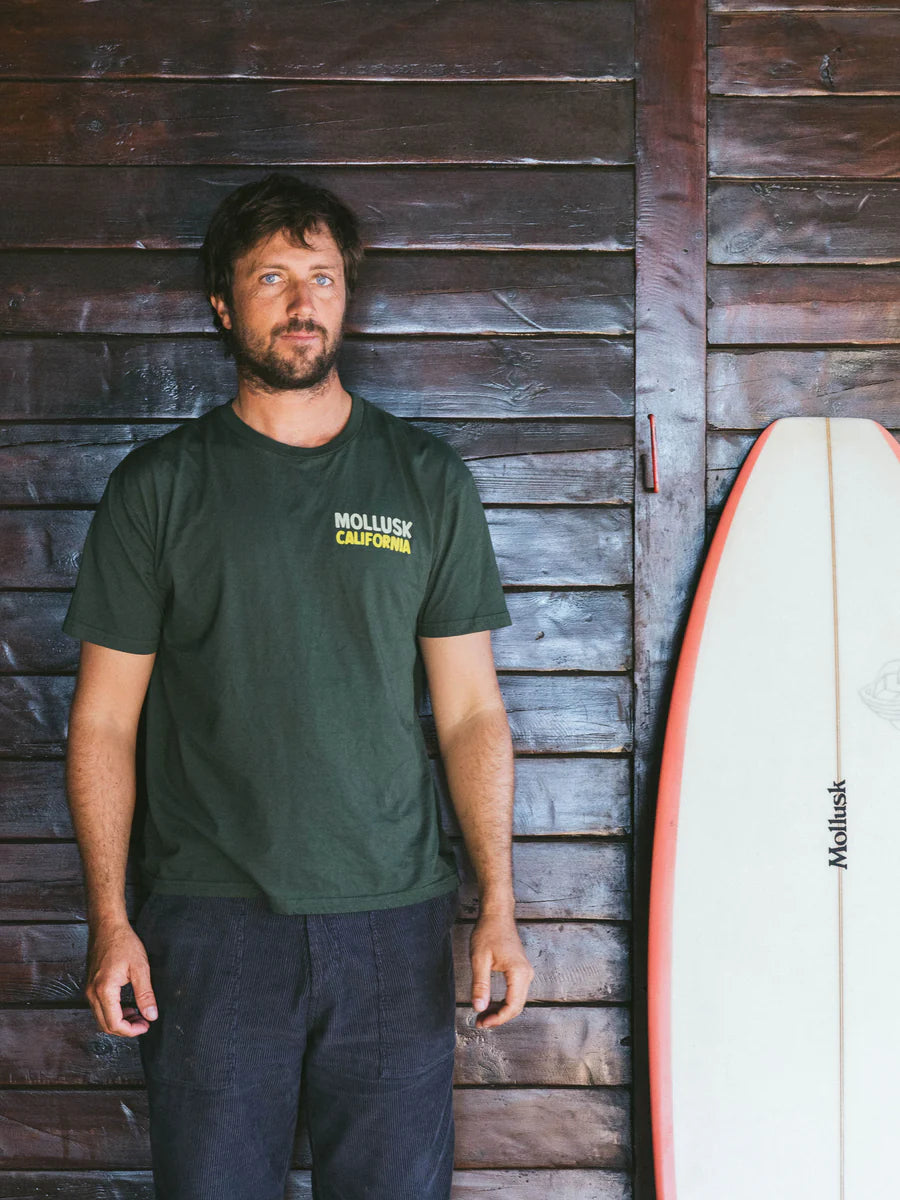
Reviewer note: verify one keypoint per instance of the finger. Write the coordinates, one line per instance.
(143, 991)
(110, 998)
(481, 979)
(517, 981)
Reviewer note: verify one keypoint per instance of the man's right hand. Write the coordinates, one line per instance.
(116, 956)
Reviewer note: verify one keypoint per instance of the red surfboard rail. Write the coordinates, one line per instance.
(662, 878)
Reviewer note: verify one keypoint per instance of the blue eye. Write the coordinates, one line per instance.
(325, 277)
(270, 275)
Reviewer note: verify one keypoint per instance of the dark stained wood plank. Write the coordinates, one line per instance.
(561, 546)
(545, 477)
(804, 304)
(403, 208)
(750, 388)
(804, 53)
(74, 1127)
(554, 795)
(33, 801)
(552, 1046)
(803, 222)
(585, 880)
(569, 1184)
(464, 291)
(529, 1127)
(793, 5)
(33, 641)
(560, 1046)
(568, 713)
(670, 369)
(844, 137)
(585, 630)
(578, 961)
(512, 464)
(368, 39)
(41, 548)
(556, 546)
(182, 123)
(81, 378)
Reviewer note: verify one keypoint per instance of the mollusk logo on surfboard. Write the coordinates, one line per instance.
(837, 826)
(883, 694)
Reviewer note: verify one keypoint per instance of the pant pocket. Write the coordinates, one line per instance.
(416, 998)
(195, 949)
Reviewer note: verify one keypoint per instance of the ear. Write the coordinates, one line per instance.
(222, 309)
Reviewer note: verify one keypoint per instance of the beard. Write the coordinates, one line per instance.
(269, 369)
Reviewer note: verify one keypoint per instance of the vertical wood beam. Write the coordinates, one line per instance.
(670, 382)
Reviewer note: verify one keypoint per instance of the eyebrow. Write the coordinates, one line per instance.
(269, 265)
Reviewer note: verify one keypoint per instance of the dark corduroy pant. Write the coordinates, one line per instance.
(354, 1013)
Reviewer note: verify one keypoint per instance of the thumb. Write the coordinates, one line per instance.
(481, 980)
(143, 991)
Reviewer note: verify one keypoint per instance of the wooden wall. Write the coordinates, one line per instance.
(488, 147)
(804, 219)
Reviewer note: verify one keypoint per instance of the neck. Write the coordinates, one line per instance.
(301, 417)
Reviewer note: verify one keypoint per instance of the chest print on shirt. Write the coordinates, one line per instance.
(365, 529)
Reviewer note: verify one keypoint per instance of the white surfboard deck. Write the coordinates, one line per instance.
(775, 902)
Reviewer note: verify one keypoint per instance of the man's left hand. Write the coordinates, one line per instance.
(495, 946)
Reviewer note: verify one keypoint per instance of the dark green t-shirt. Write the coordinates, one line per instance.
(282, 589)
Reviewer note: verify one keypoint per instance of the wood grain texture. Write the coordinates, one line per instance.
(576, 961)
(368, 39)
(804, 304)
(566, 1046)
(554, 546)
(127, 378)
(571, 1184)
(803, 222)
(184, 123)
(400, 208)
(83, 1128)
(555, 795)
(841, 137)
(467, 291)
(750, 388)
(793, 5)
(584, 880)
(804, 53)
(69, 464)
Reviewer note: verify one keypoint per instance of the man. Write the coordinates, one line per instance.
(277, 578)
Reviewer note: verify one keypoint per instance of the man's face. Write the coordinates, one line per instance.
(287, 311)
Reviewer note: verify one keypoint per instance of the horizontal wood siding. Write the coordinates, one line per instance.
(488, 147)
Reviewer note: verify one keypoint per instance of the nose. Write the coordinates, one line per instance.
(299, 297)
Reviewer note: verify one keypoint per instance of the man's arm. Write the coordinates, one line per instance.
(100, 784)
(476, 748)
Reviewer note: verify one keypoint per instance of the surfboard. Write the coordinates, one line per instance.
(774, 941)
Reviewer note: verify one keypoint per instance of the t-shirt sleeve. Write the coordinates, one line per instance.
(463, 593)
(118, 601)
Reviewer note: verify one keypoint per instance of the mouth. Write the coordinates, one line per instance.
(300, 337)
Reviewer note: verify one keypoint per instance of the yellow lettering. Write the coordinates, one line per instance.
(339, 537)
